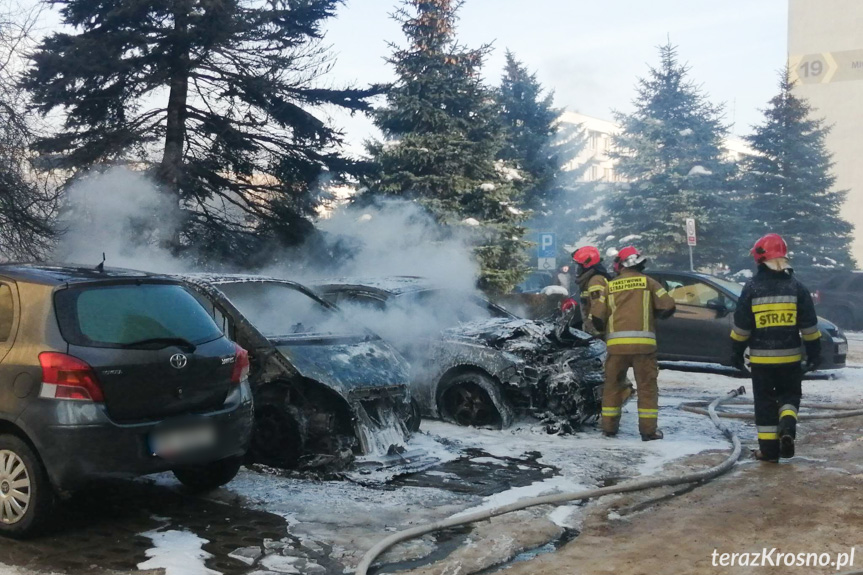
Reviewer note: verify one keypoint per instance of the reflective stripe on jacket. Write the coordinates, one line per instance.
(629, 312)
(774, 313)
(593, 293)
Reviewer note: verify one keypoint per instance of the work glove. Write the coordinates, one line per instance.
(738, 362)
(813, 355)
(813, 361)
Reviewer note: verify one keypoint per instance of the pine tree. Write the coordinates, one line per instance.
(442, 136)
(670, 150)
(789, 184)
(215, 99)
(530, 124)
(544, 150)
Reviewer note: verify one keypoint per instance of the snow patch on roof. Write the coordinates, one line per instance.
(699, 171)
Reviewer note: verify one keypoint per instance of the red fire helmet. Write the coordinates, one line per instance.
(769, 247)
(586, 257)
(628, 257)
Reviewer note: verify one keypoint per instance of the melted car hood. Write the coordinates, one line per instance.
(514, 335)
(345, 364)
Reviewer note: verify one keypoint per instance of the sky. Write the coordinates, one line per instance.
(590, 52)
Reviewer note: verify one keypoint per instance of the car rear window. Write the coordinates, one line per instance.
(120, 315)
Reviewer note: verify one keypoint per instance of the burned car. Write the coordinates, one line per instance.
(473, 362)
(325, 389)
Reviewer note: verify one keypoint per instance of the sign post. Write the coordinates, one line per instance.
(547, 251)
(691, 240)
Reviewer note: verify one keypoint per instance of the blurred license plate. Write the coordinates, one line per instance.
(174, 442)
(842, 348)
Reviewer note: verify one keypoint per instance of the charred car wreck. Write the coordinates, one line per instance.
(473, 362)
(325, 390)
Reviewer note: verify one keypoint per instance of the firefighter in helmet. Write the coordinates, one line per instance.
(592, 279)
(774, 312)
(628, 317)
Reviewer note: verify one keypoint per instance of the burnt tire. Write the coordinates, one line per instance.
(26, 495)
(209, 476)
(276, 439)
(466, 400)
(414, 417)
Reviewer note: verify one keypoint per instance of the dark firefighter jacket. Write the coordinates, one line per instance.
(594, 287)
(629, 314)
(773, 312)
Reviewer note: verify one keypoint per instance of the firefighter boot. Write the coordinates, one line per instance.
(769, 446)
(653, 436)
(787, 430)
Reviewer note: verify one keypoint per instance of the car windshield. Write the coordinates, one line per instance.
(731, 286)
(278, 309)
(452, 306)
(123, 315)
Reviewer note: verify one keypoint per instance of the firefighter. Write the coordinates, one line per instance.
(628, 316)
(773, 312)
(592, 280)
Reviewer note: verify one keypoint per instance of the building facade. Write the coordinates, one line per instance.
(825, 59)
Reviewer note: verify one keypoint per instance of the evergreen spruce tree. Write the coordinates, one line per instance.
(442, 136)
(790, 188)
(670, 150)
(215, 99)
(530, 123)
(543, 149)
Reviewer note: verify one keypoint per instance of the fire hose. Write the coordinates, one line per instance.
(837, 410)
(559, 498)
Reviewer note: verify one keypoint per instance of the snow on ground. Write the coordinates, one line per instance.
(347, 517)
(177, 552)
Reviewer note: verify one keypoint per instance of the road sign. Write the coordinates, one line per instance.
(826, 67)
(548, 264)
(546, 251)
(690, 232)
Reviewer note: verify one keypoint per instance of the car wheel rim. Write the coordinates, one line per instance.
(15, 488)
(471, 407)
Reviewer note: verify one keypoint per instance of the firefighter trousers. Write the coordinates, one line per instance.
(777, 390)
(614, 391)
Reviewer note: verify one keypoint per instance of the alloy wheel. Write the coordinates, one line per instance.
(15, 488)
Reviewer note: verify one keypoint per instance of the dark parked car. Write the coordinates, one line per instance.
(473, 362)
(699, 330)
(840, 299)
(106, 373)
(325, 388)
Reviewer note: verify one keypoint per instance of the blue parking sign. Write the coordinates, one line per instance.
(547, 245)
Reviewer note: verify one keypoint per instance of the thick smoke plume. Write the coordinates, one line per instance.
(122, 214)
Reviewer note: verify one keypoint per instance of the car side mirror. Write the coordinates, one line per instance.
(718, 306)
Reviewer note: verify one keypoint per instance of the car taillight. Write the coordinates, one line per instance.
(67, 377)
(241, 366)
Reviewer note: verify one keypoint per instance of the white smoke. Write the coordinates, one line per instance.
(398, 238)
(122, 214)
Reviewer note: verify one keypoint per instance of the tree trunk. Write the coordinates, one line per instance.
(171, 167)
